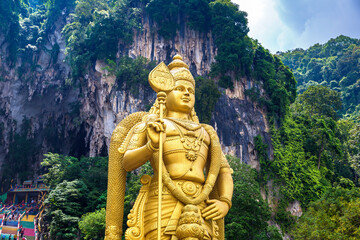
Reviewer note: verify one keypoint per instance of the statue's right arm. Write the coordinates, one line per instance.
(143, 142)
(137, 153)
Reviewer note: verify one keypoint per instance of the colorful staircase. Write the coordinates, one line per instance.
(29, 218)
(7, 236)
(8, 232)
(28, 224)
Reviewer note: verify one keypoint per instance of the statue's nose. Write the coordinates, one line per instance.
(187, 93)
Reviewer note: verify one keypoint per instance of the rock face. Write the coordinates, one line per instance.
(237, 121)
(78, 118)
(197, 48)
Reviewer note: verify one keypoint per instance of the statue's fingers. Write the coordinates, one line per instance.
(206, 214)
(161, 127)
(159, 120)
(211, 216)
(161, 124)
(151, 125)
(220, 216)
(158, 127)
(211, 201)
(154, 126)
(208, 208)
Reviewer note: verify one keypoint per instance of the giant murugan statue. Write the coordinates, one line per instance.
(191, 190)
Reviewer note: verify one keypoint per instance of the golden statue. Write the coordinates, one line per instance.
(192, 188)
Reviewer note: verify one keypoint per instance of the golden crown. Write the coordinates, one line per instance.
(180, 70)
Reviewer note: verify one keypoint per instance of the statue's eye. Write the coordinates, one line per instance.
(178, 89)
(191, 91)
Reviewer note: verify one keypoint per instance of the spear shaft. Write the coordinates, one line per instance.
(161, 98)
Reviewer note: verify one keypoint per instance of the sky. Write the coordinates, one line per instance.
(281, 25)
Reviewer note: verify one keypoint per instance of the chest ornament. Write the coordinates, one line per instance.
(189, 140)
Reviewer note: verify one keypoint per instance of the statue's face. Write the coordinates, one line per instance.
(181, 98)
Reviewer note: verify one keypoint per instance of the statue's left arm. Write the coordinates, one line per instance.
(218, 208)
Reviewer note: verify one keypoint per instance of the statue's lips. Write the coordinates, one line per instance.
(186, 99)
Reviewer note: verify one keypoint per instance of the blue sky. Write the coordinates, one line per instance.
(281, 25)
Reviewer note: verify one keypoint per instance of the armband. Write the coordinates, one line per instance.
(226, 170)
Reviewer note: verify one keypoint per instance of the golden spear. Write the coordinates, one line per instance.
(161, 81)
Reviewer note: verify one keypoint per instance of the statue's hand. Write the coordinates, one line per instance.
(153, 131)
(216, 210)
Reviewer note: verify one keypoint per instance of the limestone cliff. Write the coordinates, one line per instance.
(77, 118)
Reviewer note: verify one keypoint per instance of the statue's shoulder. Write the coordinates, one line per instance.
(208, 128)
(129, 122)
(211, 131)
(171, 127)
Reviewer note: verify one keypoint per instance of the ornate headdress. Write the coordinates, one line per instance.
(180, 70)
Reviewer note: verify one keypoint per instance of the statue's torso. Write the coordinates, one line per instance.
(185, 150)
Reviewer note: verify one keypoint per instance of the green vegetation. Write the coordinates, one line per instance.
(335, 216)
(96, 29)
(78, 197)
(130, 73)
(278, 83)
(65, 205)
(9, 25)
(235, 48)
(26, 25)
(262, 155)
(247, 219)
(319, 101)
(334, 64)
(166, 12)
(206, 96)
(78, 187)
(312, 151)
(315, 151)
(91, 171)
(92, 225)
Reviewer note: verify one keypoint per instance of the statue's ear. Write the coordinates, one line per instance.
(161, 79)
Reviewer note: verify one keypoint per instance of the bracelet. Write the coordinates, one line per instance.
(151, 147)
(226, 200)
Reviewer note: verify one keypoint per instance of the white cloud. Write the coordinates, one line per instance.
(264, 23)
(281, 25)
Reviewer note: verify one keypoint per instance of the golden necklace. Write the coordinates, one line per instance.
(190, 142)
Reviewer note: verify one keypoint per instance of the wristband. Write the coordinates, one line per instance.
(151, 147)
(226, 200)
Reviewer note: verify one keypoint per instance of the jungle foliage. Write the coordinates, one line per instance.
(206, 96)
(26, 24)
(335, 216)
(313, 150)
(95, 30)
(131, 73)
(248, 217)
(78, 187)
(334, 64)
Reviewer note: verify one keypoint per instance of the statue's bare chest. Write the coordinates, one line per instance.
(187, 142)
